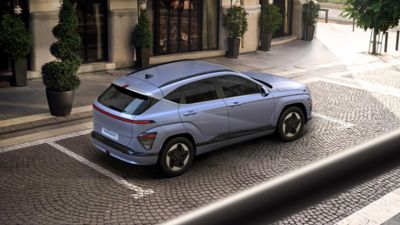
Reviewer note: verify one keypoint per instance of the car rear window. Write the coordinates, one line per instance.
(125, 101)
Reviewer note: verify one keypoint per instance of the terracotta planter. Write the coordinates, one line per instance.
(266, 39)
(60, 102)
(142, 58)
(19, 72)
(233, 47)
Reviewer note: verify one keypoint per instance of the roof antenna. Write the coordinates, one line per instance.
(148, 76)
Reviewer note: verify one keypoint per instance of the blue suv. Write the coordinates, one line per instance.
(169, 113)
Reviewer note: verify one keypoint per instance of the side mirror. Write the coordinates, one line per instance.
(264, 91)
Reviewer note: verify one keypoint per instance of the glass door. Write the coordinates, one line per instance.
(181, 25)
(92, 28)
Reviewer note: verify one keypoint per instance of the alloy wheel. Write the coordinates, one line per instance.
(291, 124)
(177, 157)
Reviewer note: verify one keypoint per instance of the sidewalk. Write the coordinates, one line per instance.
(334, 14)
(336, 49)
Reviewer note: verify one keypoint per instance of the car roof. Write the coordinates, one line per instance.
(168, 73)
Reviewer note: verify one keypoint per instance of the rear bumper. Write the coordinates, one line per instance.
(122, 152)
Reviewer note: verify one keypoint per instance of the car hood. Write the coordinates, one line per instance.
(277, 82)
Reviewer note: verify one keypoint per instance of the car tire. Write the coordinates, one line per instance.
(291, 124)
(176, 157)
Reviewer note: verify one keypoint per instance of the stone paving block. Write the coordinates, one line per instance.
(43, 186)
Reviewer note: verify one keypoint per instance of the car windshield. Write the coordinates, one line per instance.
(125, 101)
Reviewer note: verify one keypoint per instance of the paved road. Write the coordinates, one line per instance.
(64, 180)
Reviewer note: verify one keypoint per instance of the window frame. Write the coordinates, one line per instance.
(221, 89)
(181, 88)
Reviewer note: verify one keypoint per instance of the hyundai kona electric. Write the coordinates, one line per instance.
(170, 113)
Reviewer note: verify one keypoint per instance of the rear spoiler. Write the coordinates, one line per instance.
(140, 86)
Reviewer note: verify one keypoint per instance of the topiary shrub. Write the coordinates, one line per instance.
(235, 21)
(141, 34)
(310, 13)
(271, 19)
(60, 75)
(15, 39)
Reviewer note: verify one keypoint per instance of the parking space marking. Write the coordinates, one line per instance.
(44, 141)
(140, 192)
(377, 212)
(342, 123)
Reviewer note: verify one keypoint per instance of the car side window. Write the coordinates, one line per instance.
(236, 86)
(199, 91)
(175, 96)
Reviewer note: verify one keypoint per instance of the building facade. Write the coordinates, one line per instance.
(180, 28)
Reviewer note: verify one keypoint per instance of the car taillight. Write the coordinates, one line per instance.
(121, 118)
(147, 140)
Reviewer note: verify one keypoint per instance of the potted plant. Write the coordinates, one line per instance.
(236, 22)
(16, 42)
(310, 15)
(59, 76)
(271, 21)
(142, 41)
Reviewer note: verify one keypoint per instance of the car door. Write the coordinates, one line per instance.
(203, 112)
(250, 110)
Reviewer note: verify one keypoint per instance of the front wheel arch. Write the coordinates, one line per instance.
(299, 105)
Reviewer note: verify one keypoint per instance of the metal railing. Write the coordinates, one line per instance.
(288, 193)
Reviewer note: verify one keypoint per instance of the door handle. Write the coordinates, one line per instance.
(235, 104)
(189, 113)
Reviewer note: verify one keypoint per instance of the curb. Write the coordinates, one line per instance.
(43, 119)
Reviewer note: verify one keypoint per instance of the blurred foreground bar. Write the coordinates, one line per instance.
(283, 195)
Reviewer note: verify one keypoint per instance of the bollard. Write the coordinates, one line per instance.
(386, 40)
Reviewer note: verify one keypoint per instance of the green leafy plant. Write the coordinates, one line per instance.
(271, 19)
(235, 21)
(310, 13)
(60, 75)
(141, 34)
(378, 15)
(15, 39)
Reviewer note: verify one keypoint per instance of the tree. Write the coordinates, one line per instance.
(377, 15)
(60, 75)
(271, 19)
(142, 34)
(235, 21)
(15, 39)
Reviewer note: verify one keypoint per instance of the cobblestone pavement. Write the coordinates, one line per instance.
(70, 182)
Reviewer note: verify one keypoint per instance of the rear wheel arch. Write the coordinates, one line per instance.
(176, 155)
(185, 135)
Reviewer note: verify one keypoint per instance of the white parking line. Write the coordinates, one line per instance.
(377, 212)
(342, 123)
(43, 141)
(140, 192)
